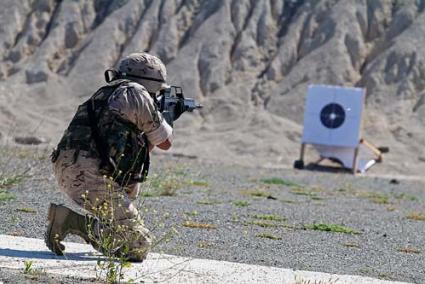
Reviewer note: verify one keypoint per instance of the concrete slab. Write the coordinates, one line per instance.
(80, 262)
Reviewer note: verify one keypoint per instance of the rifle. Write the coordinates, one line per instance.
(172, 103)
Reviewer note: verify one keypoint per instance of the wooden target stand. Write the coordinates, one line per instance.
(377, 151)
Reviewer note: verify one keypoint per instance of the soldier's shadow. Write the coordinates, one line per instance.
(80, 256)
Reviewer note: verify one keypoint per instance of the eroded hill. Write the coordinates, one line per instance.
(248, 62)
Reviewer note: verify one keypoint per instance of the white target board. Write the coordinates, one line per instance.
(332, 116)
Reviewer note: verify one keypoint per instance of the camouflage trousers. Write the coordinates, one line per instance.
(117, 217)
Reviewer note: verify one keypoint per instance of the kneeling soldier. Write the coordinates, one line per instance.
(104, 155)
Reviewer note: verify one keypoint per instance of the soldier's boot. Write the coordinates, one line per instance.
(64, 221)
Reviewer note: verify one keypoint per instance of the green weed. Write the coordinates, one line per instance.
(208, 202)
(192, 213)
(28, 269)
(331, 228)
(269, 217)
(198, 183)
(262, 224)
(10, 181)
(279, 181)
(303, 191)
(6, 196)
(288, 201)
(26, 210)
(268, 236)
(385, 275)
(241, 203)
(405, 196)
(257, 193)
(204, 245)
(163, 185)
(374, 197)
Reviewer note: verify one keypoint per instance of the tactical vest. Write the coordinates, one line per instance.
(118, 143)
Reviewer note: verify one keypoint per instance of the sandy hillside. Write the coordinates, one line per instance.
(248, 62)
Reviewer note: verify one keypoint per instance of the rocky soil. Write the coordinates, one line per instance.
(248, 62)
(306, 220)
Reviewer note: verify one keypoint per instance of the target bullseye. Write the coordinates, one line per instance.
(332, 115)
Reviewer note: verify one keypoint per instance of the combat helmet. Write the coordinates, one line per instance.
(145, 69)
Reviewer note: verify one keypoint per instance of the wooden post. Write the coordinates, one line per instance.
(355, 160)
(302, 152)
(374, 149)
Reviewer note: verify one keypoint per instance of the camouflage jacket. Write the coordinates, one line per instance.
(124, 117)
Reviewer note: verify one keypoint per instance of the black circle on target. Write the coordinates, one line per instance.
(332, 115)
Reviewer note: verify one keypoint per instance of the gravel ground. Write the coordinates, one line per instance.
(385, 242)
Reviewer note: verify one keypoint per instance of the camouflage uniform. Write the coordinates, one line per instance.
(78, 174)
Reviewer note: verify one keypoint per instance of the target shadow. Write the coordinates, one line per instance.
(328, 167)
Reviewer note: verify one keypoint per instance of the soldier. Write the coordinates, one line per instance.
(104, 155)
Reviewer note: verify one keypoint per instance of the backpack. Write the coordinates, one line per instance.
(122, 148)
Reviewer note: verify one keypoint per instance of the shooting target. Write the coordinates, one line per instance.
(333, 116)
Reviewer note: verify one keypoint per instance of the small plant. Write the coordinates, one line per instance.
(192, 213)
(262, 224)
(26, 210)
(241, 203)
(195, 225)
(268, 236)
(374, 197)
(331, 228)
(300, 280)
(28, 268)
(409, 250)
(379, 199)
(288, 201)
(208, 202)
(204, 245)
(198, 183)
(6, 196)
(416, 216)
(279, 181)
(385, 275)
(351, 245)
(165, 184)
(30, 271)
(10, 181)
(405, 196)
(258, 193)
(303, 191)
(269, 217)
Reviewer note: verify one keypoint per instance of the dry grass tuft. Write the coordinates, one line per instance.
(409, 250)
(351, 245)
(416, 216)
(195, 225)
